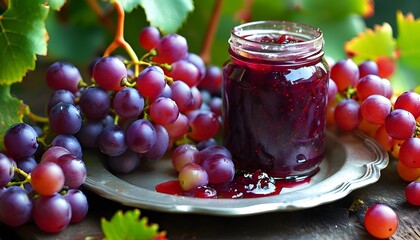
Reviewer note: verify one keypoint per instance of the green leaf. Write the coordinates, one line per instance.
(56, 4)
(22, 37)
(372, 43)
(11, 111)
(408, 40)
(343, 8)
(129, 225)
(168, 16)
(129, 5)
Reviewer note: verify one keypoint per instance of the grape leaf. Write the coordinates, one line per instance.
(408, 40)
(129, 5)
(22, 37)
(168, 16)
(12, 110)
(326, 9)
(372, 43)
(129, 225)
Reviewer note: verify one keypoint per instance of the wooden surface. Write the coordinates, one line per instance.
(329, 221)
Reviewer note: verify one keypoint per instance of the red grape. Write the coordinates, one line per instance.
(381, 221)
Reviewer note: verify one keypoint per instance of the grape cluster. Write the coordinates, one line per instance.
(50, 194)
(130, 110)
(361, 97)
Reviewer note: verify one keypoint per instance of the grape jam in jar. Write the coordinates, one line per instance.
(274, 98)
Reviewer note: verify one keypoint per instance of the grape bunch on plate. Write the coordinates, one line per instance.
(130, 110)
(361, 97)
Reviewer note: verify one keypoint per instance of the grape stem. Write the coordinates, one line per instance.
(23, 173)
(211, 31)
(33, 116)
(119, 40)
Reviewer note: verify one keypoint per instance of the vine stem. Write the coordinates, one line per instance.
(211, 31)
(119, 40)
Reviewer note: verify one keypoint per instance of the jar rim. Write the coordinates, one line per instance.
(312, 40)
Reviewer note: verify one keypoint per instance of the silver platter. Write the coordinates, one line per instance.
(352, 161)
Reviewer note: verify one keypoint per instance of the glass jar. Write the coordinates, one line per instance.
(275, 98)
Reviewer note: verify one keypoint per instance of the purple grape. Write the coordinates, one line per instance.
(111, 141)
(6, 170)
(219, 168)
(171, 47)
(124, 163)
(78, 203)
(26, 165)
(163, 110)
(211, 142)
(74, 170)
(65, 118)
(63, 75)
(52, 213)
(149, 37)
(94, 103)
(68, 142)
(198, 62)
(182, 95)
(20, 140)
(88, 134)
(128, 103)
(151, 82)
(213, 150)
(141, 136)
(178, 128)
(108, 73)
(60, 95)
(15, 206)
(161, 145)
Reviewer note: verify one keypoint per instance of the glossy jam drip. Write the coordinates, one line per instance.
(244, 185)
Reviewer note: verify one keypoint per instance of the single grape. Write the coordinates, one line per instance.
(20, 140)
(52, 213)
(219, 168)
(6, 170)
(63, 75)
(185, 71)
(124, 163)
(184, 154)
(141, 136)
(212, 81)
(410, 152)
(204, 124)
(383, 138)
(179, 127)
(409, 101)
(182, 95)
(198, 62)
(375, 108)
(370, 85)
(368, 67)
(400, 124)
(149, 37)
(192, 176)
(197, 100)
(381, 221)
(161, 145)
(65, 118)
(216, 105)
(345, 73)
(151, 82)
(26, 165)
(128, 103)
(88, 133)
(108, 73)
(111, 141)
(47, 178)
(68, 142)
(78, 204)
(171, 48)
(211, 142)
(60, 95)
(163, 110)
(15, 206)
(213, 150)
(412, 193)
(94, 103)
(53, 153)
(74, 170)
(347, 114)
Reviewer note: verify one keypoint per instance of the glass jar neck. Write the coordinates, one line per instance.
(259, 41)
